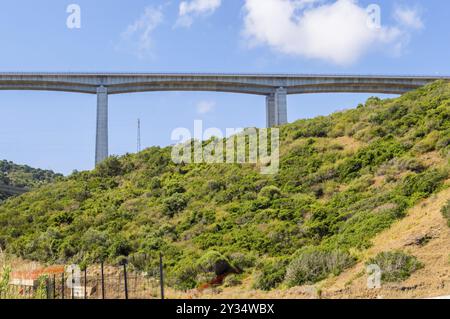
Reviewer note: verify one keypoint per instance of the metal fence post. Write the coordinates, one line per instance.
(54, 286)
(161, 275)
(73, 284)
(62, 286)
(103, 281)
(85, 283)
(125, 280)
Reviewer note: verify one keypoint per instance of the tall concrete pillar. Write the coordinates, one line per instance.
(101, 148)
(281, 106)
(276, 108)
(270, 111)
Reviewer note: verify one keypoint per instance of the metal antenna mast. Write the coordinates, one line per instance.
(139, 135)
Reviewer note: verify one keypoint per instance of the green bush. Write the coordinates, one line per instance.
(243, 261)
(184, 275)
(444, 141)
(110, 167)
(370, 157)
(270, 192)
(119, 247)
(270, 274)
(174, 187)
(175, 204)
(424, 184)
(214, 262)
(188, 274)
(446, 212)
(395, 266)
(318, 127)
(216, 186)
(428, 144)
(232, 280)
(315, 265)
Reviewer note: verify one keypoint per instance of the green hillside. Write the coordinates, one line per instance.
(343, 179)
(23, 176)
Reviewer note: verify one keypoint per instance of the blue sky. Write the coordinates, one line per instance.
(56, 130)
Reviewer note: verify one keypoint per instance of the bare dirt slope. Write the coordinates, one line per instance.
(424, 234)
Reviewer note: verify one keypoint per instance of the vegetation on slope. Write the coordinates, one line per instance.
(23, 176)
(446, 212)
(395, 265)
(343, 179)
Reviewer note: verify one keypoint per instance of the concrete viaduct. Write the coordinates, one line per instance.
(275, 87)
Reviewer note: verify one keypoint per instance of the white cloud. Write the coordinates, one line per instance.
(137, 38)
(336, 31)
(190, 9)
(409, 17)
(204, 107)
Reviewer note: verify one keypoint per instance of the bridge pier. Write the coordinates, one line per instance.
(276, 108)
(270, 110)
(101, 147)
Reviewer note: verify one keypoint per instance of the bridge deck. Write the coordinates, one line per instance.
(260, 84)
(274, 86)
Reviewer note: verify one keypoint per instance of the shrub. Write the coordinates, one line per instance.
(174, 187)
(395, 266)
(446, 212)
(375, 154)
(109, 167)
(216, 185)
(444, 141)
(214, 261)
(175, 204)
(232, 281)
(397, 165)
(243, 261)
(155, 183)
(270, 192)
(270, 274)
(315, 265)
(189, 273)
(424, 184)
(119, 247)
(427, 144)
(185, 275)
(318, 127)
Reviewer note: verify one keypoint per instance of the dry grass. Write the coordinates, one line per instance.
(349, 144)
(432, 159)
(424, 234)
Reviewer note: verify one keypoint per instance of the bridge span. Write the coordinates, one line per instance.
(275, 87)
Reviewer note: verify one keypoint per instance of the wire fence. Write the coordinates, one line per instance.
(111, 286)
(92, 283)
